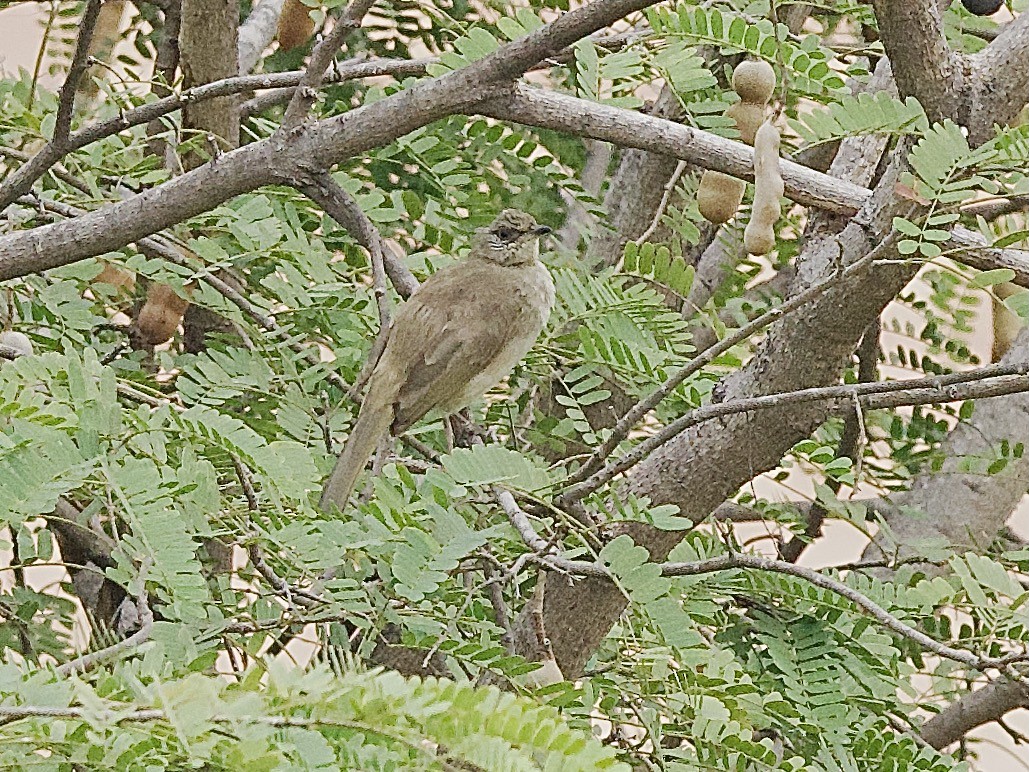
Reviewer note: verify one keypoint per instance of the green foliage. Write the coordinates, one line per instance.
(806, 60)
(317, 719)
(168, 453)
(879, 113)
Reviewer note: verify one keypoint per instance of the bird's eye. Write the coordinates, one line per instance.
(506, 234)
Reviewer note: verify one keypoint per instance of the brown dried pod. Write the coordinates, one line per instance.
(719, 196)
(162, 313)
(295, 25)
(121, 279)
(748, 117)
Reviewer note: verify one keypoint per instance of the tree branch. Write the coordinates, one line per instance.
(322, 56)
(257, 33)
(550, 110)
(979, 662)
(923, 64)
(344, 209)
(324, 143)
(972, 384)
(21, 181)
(79, 63)
(974, 709)
(1002, 79)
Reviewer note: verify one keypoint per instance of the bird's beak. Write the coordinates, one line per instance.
(542, 230)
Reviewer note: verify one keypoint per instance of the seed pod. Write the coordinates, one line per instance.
(719, 196)
(1006, 323)
(748, 117)
(759, 236)
(754, 81)
(295, 25)
(119, 278)
(161, 314)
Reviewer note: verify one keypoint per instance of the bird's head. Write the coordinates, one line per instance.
(511, 239)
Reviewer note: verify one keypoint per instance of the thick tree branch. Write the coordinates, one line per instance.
(208, 51)
(1002, 79)
(325, 143)
(974, 709)
(377, 124)
(923, 64)
(550, 110)
(627, 422)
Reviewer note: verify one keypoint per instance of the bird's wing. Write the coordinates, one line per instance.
(446, 335)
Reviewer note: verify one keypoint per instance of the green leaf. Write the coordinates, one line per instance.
(484, 465)
(991, 278)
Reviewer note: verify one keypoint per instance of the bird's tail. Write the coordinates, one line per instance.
(370, 427)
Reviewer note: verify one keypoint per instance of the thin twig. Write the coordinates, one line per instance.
(291, 595)
(344, 209)
(852, 443)
(79, 63)
(669, 187)
(322, 56)
(500, 614)
(57, 170)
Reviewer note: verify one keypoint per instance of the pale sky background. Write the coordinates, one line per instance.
(20, 37)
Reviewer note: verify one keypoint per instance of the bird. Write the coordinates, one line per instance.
(456, 337)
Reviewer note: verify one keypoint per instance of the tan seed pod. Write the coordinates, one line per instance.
(719, 196)
(754, 81)
(161, 314)
(295, 25)
(748, 117)
(759, 235)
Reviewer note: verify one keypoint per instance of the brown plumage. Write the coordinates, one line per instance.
(461, 332)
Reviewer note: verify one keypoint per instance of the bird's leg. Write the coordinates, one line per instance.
(450, 430)
(382, 454)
